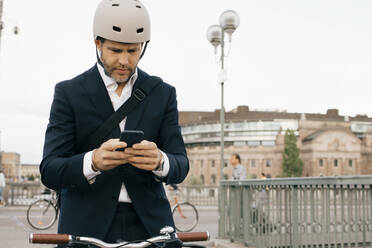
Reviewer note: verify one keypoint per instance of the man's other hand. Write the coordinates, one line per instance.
(144, 155)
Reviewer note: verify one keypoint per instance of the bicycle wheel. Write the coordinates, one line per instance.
(185, 216)
(41, 214)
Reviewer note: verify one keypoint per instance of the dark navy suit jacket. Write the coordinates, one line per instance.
(80, 106)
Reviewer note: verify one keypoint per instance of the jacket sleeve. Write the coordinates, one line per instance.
(171, 142)
(61, 167)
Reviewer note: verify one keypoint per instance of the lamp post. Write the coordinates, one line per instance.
(1, 19)
(229, 21)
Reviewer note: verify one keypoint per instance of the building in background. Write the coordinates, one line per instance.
(30, 172)
(330, 144)
(11, 164)
(14, 171)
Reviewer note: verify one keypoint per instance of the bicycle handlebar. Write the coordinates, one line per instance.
(46, 238)
(192, 236)
(43, 238)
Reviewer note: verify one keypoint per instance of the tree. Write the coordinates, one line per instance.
(292, 164)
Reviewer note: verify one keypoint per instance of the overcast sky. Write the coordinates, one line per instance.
(294, 55)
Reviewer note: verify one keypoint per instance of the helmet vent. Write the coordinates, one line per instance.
(139, 30)
(117, 29)
(138, 6)
(115, 4)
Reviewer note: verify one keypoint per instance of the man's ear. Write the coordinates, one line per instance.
(98, 44)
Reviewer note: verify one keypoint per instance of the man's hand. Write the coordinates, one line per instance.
(144, 155)
(106, 157)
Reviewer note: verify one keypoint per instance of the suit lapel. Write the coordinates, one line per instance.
(97, 92)
(136, 114)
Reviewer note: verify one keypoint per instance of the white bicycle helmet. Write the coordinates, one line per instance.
(124, 21)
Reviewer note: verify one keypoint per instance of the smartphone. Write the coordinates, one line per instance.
(131, 137)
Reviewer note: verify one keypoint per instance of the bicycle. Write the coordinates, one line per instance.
(185, 214)
(167, 236)
(43, 213)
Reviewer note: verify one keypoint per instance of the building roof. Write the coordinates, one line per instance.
(242, 113)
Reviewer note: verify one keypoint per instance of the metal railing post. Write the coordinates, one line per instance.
(222, 211)
(12, 195)
(247, 222)
(294, 217)
(370, 214)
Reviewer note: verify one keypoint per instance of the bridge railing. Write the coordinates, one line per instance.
(20, 194)
(297, 212)
(199, 195)
(26, 192)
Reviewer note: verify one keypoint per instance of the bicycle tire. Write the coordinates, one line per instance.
(186, 218)
(42, 214)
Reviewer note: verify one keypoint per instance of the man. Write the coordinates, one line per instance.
(2, 187)
(239, 171)
(263, 176)
(104, 193)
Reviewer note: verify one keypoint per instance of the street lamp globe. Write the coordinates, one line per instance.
(16, 30)
(229, 21)
(214, 35)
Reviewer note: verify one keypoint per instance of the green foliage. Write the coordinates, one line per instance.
(292, 164)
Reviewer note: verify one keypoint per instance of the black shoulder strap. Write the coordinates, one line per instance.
(138, 95)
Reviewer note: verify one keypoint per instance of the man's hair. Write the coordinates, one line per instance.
(100, 39)
(237, 157)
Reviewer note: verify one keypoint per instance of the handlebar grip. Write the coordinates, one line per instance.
(43, 238)
(193, 236)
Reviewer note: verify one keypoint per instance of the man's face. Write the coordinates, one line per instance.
(234, 161)
(119, 59)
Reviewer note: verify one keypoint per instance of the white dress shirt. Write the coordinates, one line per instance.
(117, 101)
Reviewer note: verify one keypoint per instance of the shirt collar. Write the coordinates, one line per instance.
(110, 83)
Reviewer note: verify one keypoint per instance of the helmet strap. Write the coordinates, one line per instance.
(99, 59)
(144, 49)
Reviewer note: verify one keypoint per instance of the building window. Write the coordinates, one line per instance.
(202, 179)
(335, 163)
(225, 176)
(214, 179)
(225, 163)
(213, 163)
(253, 163)
(268, 143)
(211, 193)
(201, 163)
(320, 162)
(268, 163)
(254, 143)
(350, 163)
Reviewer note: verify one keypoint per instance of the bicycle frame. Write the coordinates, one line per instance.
(51, 203)
(167, 234)
(178, 206)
